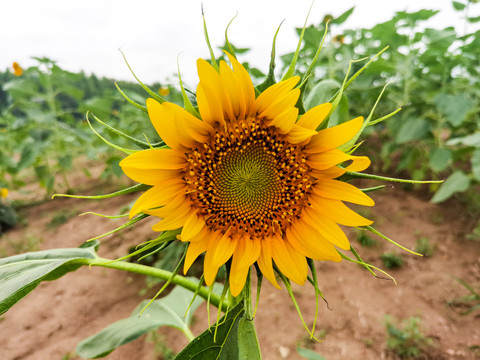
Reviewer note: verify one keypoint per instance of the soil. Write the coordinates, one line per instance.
(49, 322)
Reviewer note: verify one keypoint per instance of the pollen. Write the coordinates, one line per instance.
(248, 178)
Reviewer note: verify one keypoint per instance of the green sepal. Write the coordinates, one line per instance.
(291, 68)
(139, 143)
(376, 232)
(306, 76)
(351, 143)
(347, 84)
(138, 106)
(229, 46)
(286, 282)
(369, 267)
(187, 104)
(131, 189)
(127, 224)
(153, 94)
(270, 79)
(207, 40)
(373, 188)
(388, 116)
(174, 273)
(314, 281)
(358, 175)
(126, 151)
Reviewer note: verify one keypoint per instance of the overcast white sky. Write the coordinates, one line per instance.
(85, 35)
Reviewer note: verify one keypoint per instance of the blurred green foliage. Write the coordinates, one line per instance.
(432, 73)
(43, 128)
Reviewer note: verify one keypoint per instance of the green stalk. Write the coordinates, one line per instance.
(159, 274)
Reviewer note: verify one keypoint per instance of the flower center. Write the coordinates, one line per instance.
(248, 178)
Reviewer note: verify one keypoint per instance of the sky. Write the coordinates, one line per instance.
(86, 35)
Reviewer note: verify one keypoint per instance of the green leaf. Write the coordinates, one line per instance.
(469, 140)
(167, 311)
(476, 164)
(309, 354)
(412, 129)
(440, 159)
(454, 107)
(456, 182)
(342, 18)
(20, 274)
(233, 339)
(473, 19)
(321, 93)
(458, 5)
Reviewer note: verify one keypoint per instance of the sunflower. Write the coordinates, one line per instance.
(17, 69)
(251, 181)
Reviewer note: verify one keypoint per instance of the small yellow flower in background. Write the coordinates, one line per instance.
(3, 193)
(164, 91)
(17, 69)
(250, 181)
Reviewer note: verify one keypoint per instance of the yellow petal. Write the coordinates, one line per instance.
(335, 136)
(328, 228)
(330, 173)
(152, 176)
(220, 249)
(275, 92)
(164, 123)
(281, 105)
(209, 105)
(327, 159)
(247, 251)
(234, 91)
(211, 84)
(311, 243)
(191, 128)
(244, 81)
(194, 250)
(158, 196)
(167, 159)
(359, 163)
(264, 262)
(289, 261)
(192, 227)
(299, 134)
(285, 121)
(173, 215)
(337, 211)
(315, 116)
(339, 190)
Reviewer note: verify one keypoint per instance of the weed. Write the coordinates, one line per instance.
(366, 240)
(423, 246)
(475, 234)
(61, 217)
(30, 242)
(391, 260)
(161, 350)
(407, 341)
(471, 301)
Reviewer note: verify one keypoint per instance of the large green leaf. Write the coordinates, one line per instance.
(456, 182)
(454, 107)
(235, 339)
(167, 311)
(412, 129)
(476, 164)
(20, 274)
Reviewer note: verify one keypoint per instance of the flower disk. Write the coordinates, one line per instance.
(249, 180)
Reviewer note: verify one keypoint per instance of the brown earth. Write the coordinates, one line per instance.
(49, 322)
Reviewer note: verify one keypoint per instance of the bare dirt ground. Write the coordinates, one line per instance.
(49, 322)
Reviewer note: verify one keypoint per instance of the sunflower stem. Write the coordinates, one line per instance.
(159, 274)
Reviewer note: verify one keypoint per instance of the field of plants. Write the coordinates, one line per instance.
(66, 133)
